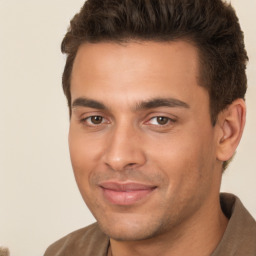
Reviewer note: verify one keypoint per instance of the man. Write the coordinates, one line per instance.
(156, 97)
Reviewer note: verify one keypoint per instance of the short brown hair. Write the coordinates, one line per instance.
(211, 25)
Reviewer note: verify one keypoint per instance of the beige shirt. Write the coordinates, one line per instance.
(239, 238)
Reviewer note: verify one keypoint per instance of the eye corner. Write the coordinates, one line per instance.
(161, 123)
(160, 120)
(94, 120)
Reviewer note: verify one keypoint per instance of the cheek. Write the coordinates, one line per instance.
(175, 150)
(84, 151)
(185, 158)
(81, 154)
(187, 179)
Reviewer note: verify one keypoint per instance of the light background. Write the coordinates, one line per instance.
(39, 200)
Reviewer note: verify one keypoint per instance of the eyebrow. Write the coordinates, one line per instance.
(84, 102)
(161, 102)
(148, 104)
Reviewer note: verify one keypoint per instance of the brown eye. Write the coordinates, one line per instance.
(162, 120)
(96, 119)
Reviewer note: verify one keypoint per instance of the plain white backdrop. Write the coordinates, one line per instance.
(39, 200)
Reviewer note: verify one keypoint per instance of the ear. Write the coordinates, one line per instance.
(231, 123)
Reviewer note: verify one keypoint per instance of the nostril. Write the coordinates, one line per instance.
(131, 164)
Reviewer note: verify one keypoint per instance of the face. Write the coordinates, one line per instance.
(142, 145)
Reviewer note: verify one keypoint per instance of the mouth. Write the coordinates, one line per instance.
(125, 193)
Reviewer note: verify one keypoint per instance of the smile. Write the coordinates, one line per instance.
(125, 193)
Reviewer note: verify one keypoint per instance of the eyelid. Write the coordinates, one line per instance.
(155, 117)
(171, 117)
(90, 118)
(85, 117)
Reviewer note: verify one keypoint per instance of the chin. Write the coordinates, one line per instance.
(126, 228)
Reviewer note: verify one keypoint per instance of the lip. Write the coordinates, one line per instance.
(128, 193)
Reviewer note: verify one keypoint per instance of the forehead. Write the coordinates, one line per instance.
(136, 69)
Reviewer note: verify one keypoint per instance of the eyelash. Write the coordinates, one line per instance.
(88, 121)
(168, 119)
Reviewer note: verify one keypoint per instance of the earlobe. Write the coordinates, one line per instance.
(231, 125)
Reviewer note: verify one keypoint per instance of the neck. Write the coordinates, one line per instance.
(199, 235)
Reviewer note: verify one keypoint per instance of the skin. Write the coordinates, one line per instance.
(138, 137)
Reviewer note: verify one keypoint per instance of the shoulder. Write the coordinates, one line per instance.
(240, 235)
(239, 217)
(86, 241)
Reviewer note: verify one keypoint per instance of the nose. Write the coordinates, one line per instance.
(124, 149)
